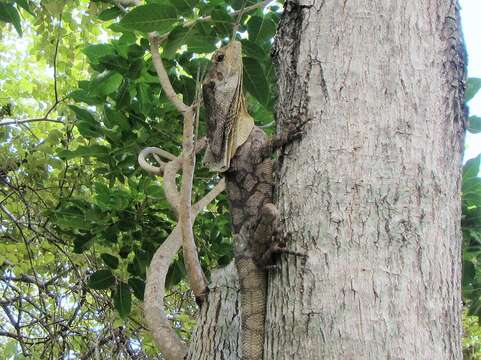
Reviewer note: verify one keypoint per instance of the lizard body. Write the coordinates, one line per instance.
(243, 152)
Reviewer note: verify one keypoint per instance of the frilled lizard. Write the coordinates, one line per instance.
(242, 151)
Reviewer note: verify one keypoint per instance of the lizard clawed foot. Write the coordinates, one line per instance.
(277, 248)
(281, 248)
(202, 297)
(296, 132)
(273, 267)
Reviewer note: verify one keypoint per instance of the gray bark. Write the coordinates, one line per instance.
(216, 336)
(372, 192)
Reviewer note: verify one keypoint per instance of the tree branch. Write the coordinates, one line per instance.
(195, 275)
(165, 337)
(24, 121)
(164, 78)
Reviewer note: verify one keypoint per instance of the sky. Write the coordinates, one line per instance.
(470, 17)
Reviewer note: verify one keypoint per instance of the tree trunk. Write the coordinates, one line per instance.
(372, 192)
(216, 336)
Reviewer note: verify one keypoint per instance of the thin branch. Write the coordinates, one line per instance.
(195, 275)
(92, 350)
(171, 192)
(55, 87)
(163, 77)
(154, 170)
(165, 337)
(24, 121)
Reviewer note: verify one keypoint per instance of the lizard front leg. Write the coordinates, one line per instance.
(266, 238)
(277, 141)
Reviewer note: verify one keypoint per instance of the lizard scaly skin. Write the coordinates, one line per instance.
(243, 152)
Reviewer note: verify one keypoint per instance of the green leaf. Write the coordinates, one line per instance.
(122, 299)
(193, 65)
(474, 124)
(186, 86)
(82, 243)
(115, 62)
(88, 130)
(83, 114)
(82, 95)
(9, 14)
(473, 86)
(175, 274)
(178, 36)
(110, 260)
(151, 17)
(471, 168)
(123, 95)
(469, 271)
(237, 4)
(86, 123)
(97, 51)
(101, 279)
(155, 191)
(108, 198)
(25, 4)
(251, 49)
(116, 118)
(260, 113)
(71, 217)
(255, 80)
(184, 7)
(223, 22)
(144, 96)
(94, 150)
(124, 251)
(261, 29)
(193, 37)
(110, 13)
(135, 69)
(107, 82)
(135, 51)
(138, 286)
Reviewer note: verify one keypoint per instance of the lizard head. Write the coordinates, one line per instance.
(225, 106)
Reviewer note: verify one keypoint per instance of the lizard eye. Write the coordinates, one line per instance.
(219, 57)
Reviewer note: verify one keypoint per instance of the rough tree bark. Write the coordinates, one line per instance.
(372, 192)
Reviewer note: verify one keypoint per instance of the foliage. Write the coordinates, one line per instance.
(472, 338)
(471, 219)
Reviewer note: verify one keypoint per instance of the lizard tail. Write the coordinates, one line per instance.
(253, 284)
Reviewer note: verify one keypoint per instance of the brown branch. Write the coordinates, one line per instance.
(55, 55)
(195, 275)
(91, 351)
(164, 78)
(154, 170)
(24, 121)
(165, 337)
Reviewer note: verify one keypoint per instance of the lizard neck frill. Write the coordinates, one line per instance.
(236, 129)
